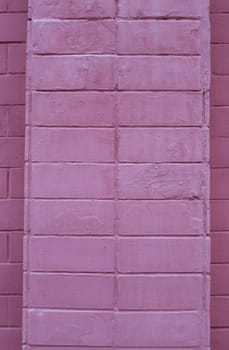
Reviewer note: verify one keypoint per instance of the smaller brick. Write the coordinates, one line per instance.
(219, 54)
(159, 293)
(3, 121)
(3, 183)
(219, 158)
(219, 251)
(73, 145)
(3, 57)
(219, 6)
(84, 254)
(16, 247)
(220, 23)
(11, 152)
(142, 37)
(72, 217)
(160, 145)
(15, 311)
(219, 183)
(92, 37)
(219, 122)
(17, 5)
(220, 311)
(3, 247)
(3, 5)
(59, 109)
(162, 8)
(160, 109)
(13, 27)
(220, 338)
(47, 323)
(128, 323)
(4, 314)
(219, 284)
(16, 58)
(71, 291)
(73, 9)
(159, 73)
(11, 208)
(73, 73)
(10, 338)
(160, 255)
(16, 183)
(16, 121)
(219, 215)
(12, 89)
(219, 90)
(10, 279)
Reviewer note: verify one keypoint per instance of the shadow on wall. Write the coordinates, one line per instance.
(13, 20)
(220, 174)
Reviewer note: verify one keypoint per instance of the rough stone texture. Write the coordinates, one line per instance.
(116, 209)
(219, 174)
(13, 21)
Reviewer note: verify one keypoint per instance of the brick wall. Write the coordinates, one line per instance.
(116, 212)
(219, 174)
(12, 99)
(117, 142)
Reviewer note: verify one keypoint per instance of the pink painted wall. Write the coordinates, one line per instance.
(220, 173)
(12, 99)
(116, 210)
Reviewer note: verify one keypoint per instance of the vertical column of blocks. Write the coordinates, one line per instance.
(116, 253)
(13, 21)
(219, 174)
(163, 84)
(70, 262)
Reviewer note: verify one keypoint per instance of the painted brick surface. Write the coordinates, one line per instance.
(72, 291)
(97, 145)
(219, 175)
(80, 217)
(74, 9)
(183, 217)
(59, 109)
(93, 37)
(155, 145)
(140, 255)
(73, 72)
(160, 109)
(116, 208)
(164, 8)
(159, 292)
(13, 23)
(135, 37)
(146, 181)
(159, 73)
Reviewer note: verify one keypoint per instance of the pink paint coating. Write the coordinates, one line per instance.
(116, 218)
(219, 175)
(116, 187)
(13, 21)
